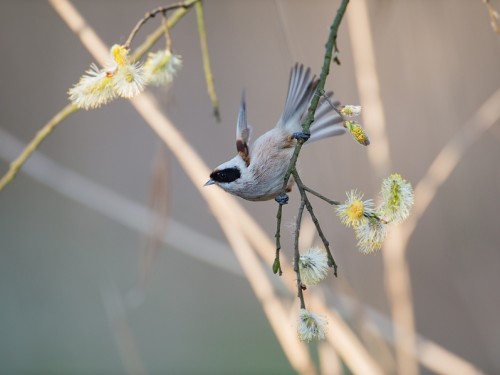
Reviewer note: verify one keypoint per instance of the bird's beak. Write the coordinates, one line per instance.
(209, 182)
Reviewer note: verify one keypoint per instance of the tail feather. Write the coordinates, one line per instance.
(301, 90)
(326, 132)
(327, 122)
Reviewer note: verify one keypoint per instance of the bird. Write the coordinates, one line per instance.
(257, 173)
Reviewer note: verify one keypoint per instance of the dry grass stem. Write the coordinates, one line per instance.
(397, 278)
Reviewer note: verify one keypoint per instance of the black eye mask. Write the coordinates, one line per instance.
(226, 175)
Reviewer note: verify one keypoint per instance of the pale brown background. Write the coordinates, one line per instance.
(437, 62)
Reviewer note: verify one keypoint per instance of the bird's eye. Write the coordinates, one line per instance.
(226, 175)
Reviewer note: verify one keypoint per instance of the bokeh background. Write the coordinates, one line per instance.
(83, 289)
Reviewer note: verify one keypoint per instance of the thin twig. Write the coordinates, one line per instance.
(155, 35)
(326, 244)
(277, 263)
(320, 196)
(328, 100)
(152, 14)
(206, 60)
(296, 268)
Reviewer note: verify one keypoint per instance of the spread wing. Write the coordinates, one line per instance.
(300, 91)
(243, 132)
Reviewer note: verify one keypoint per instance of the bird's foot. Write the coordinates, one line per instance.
(302, 135)
(281, 198)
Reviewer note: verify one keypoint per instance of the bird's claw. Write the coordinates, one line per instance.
(302, 135)
(281, 198)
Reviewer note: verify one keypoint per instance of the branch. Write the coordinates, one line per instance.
(325, 70)
(155, 35)
(152, 14)
(277, 264)
(320, 196)
(296, 268)
(326, 244)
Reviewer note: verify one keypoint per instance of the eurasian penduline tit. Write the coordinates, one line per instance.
(257, 173)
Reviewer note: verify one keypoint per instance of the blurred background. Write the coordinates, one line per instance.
(85, 289)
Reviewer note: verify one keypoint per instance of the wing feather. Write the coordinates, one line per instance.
(243, 132)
